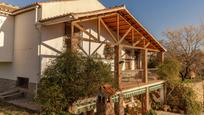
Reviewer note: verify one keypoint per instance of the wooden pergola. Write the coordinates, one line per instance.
(125, 32)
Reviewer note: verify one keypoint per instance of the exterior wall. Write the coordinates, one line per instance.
(53, 8)
(52, 43)
(91, 27)
(26, 58)
(6, 38)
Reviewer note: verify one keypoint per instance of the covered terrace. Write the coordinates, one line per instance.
(130, 41)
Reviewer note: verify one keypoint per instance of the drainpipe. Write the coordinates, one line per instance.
(38, 27)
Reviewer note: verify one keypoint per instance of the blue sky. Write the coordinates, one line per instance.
(156, 15)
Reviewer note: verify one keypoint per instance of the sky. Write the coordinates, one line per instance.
(155, 15)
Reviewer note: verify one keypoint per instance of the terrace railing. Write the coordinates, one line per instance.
(137, 75)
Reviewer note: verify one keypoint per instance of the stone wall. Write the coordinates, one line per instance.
(198, 88)
(6, 84)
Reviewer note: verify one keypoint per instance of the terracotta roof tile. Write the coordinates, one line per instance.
(7, 8)
(108, 89)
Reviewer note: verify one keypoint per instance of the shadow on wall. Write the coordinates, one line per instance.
(6, 38)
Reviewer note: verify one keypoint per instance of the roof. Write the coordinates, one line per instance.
(26, 8)
(108, 90)
(7, 8)
(32, 6)
(127, 19)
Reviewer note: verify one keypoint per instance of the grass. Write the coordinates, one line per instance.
(7, 109)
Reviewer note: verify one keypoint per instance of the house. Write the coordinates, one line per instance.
(33, 35)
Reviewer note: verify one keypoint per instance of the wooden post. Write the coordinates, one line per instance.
(118, 67)
(90, 112)
(119, 110)
(145, 68)
(160, 56)
(162, 95)
(74, 40)
(145, 101)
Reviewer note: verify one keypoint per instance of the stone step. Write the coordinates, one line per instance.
(13, 95)
(9, 92)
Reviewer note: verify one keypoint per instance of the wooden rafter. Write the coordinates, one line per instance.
(118, 26)
(86, 39)
(133, 36)
(109, 31)
(130, 25)
(99, 28)
(124, 36)
(98, 48)
(147, 44)
(116, 30)
(142, 48)
(82, 29)
(83, 50)
(94, 18)
(137, 42)
(89, 44)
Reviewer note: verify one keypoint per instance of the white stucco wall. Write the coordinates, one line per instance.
(52, 43)
(51, 9)
(26, 58)
(24, 49)
(91, 27)
(6, 38)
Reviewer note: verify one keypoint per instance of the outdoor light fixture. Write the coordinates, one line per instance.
(121, 62)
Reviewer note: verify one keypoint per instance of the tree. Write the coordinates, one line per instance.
(70, 77)
(185, 45)
(180, 97)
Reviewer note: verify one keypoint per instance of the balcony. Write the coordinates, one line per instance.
(134, 78)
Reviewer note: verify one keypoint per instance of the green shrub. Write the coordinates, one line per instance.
(182, 97)
(169, 70)
(71, 77)
(179, 96)
(151, 112)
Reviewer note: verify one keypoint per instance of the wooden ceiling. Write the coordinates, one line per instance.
(135, 36)
(138, 36)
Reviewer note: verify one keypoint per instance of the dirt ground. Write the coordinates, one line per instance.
(166, 113)
(6, 109)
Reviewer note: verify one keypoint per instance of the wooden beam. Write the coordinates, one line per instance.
(83, 30)
(130, 24)
(94, 18)
(86, 39)
(98, 48)
(136, 47)
(99, 28)
(133, 36)
(147, 44)
(160, 56)
(109, 31)
(137, 42)
(72, 30)
(89, 43)
(82, 50)
(118, 27)
(145, 68)
(118, 67)
(126, 33)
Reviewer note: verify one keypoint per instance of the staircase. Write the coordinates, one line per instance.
(11, 94)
